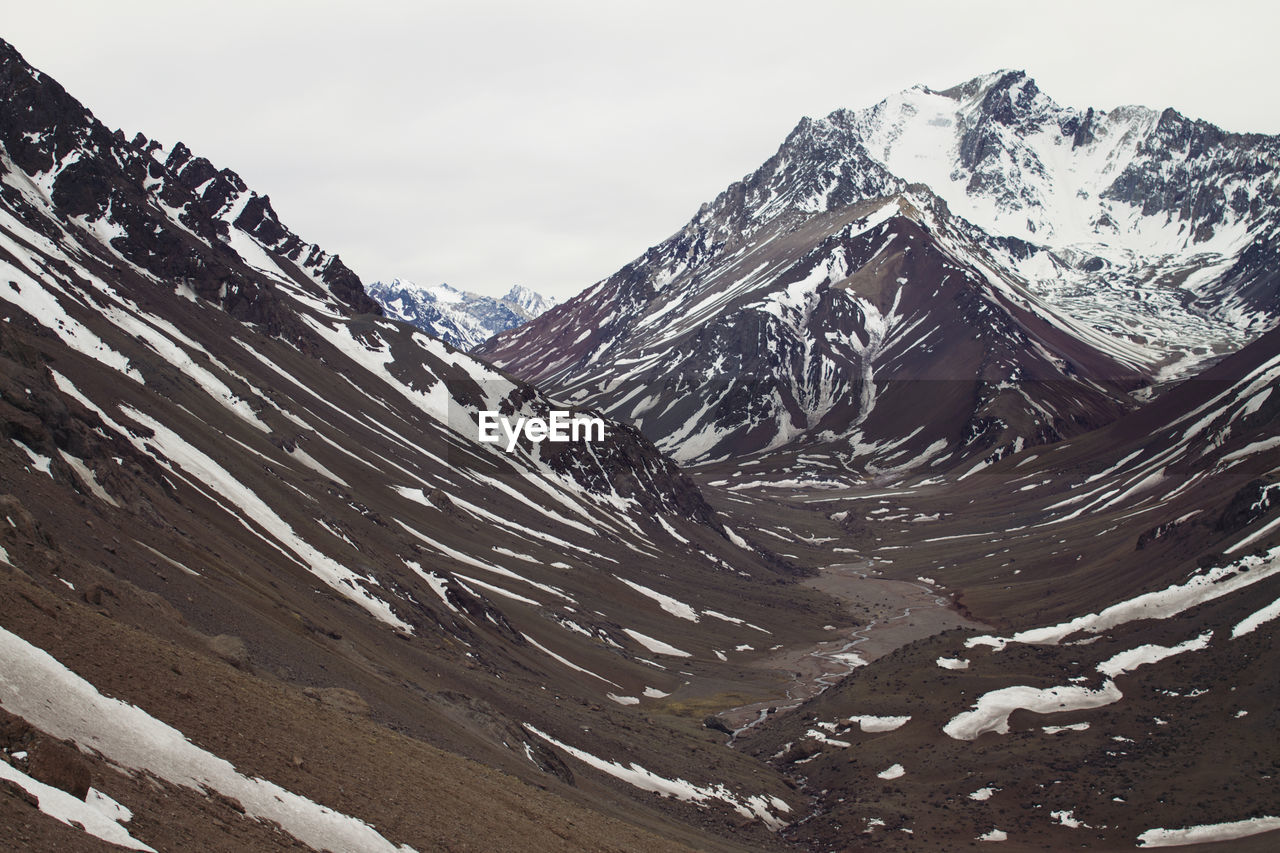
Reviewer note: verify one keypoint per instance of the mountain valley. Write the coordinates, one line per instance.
(936, 506)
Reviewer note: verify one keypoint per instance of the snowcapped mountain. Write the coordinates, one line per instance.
(1110, 208)
(457, 317)
(1036, 264)
(530, 302)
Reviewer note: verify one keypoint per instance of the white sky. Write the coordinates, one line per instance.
(549, 142)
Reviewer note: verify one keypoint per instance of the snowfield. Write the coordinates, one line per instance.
(991, 711)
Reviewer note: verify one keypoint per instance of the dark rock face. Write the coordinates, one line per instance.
(15, 734)
(1009, 102)
(1081, 131)
(1007, 105)
(1254, 501)
(1195, 172)
(119, 186)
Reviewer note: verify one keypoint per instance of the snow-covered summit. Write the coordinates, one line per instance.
(1009, 159)
(1105, 208)
(533, 303)
(1126, 245)
(459, 317)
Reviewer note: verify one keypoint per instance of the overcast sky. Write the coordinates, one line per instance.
(548, 143)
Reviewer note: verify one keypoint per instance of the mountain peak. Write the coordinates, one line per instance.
(1010, 98)
(1060, 219)
(979, 86)
(458, 317)
(518, 292)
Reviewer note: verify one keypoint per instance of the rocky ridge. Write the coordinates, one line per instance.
(216, 447)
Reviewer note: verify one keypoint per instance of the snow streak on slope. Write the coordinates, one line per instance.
(1208, 833)
(53, 698)
(203, 473)
(757, 807)
(1162, 604)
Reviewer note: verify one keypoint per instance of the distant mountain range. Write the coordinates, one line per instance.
(458, 317)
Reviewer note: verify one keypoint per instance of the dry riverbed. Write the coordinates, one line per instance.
(892, 614)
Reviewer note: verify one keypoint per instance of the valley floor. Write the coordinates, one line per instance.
(890, 614)
(1175, 758)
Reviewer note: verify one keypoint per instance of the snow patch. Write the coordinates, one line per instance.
(657, 647)
(1208, 833)
(98, 815)
(991, 712)
(53, 698)
(869, 723)
(756, 807)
